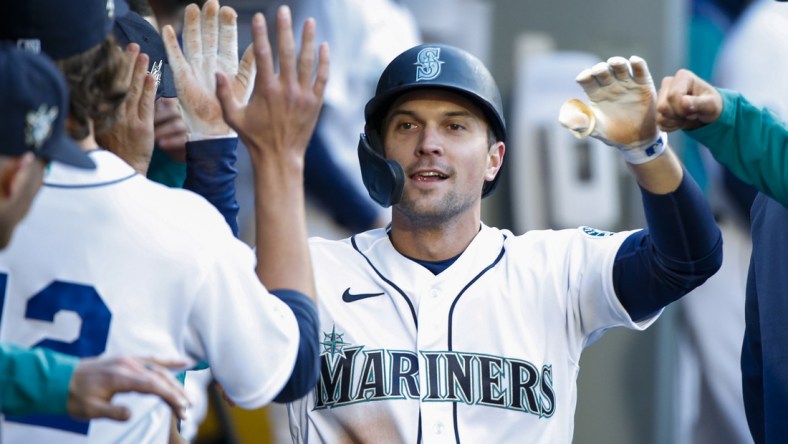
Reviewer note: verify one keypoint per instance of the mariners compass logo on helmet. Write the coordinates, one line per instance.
(428, 64)
(39, 125)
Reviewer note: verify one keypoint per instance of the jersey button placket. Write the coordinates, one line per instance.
(435, 295)
(438, 428)
(432, 319)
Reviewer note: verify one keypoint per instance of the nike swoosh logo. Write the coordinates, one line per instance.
(347, 297)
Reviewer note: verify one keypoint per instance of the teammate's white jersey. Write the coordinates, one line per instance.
(485, 352)
(108, 262)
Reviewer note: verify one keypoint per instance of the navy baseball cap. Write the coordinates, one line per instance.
(133, 28)
(58, 28)
(33, 106)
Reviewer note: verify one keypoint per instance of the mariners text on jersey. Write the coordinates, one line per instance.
(471, 378)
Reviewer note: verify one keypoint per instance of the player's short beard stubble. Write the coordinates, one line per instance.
(434, 217)
(426, 215)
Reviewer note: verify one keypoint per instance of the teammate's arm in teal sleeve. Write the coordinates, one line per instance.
(211, 173)
(752, 142)
(307, 366)
(681, 248)
(34, 380)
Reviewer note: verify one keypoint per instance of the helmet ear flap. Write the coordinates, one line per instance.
(384, 179)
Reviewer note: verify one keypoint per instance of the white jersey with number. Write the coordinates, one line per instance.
(487, 351)
(110, 263)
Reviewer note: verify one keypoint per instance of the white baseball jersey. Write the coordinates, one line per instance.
(485, 352)
(110, 263)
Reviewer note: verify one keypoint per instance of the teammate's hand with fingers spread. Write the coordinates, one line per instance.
(283, 110)
(276, 126)
(685, 101)
(210, 46)
(132, 135)
(96, 380)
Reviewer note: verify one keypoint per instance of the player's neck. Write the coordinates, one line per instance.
(433, 243)
(89, 142)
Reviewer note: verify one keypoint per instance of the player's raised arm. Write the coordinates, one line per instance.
(682, 246)
(276, 127)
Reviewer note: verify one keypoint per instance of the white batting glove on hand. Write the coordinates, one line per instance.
(210, 45)
(621, 110)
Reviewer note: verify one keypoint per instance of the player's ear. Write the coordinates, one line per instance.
(494, 160)
(14, 173)
(9, 170)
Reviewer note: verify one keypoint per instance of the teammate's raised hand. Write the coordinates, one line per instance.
(685, 101)
(283, 111)
(132, 136)
(210, 46)
(276, 126)
(621, 110)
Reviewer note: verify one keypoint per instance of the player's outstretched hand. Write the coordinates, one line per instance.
(131, 137)
(276, 126)
(210, 46)
(685, 101)
(96, 380)
(621, 109)
(283, 110)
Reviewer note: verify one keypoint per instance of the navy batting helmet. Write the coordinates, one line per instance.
(423, 67)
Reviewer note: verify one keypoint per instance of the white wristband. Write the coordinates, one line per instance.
(194, 137)
(645, 153)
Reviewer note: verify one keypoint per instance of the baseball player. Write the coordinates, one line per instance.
(34, 97)
(108, 262)
(440, 328)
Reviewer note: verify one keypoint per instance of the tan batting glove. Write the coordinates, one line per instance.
(210, 45)
(621, 111)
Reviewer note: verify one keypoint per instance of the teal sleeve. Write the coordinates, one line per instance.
(752, 142)
(166, 171)
(34, 380)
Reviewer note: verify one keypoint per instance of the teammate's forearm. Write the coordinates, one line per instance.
(211, 173)
(34, 380)
(752, 142)
(307, 366)
(283, 260)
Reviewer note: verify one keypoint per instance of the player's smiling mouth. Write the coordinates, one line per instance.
(428, 176)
